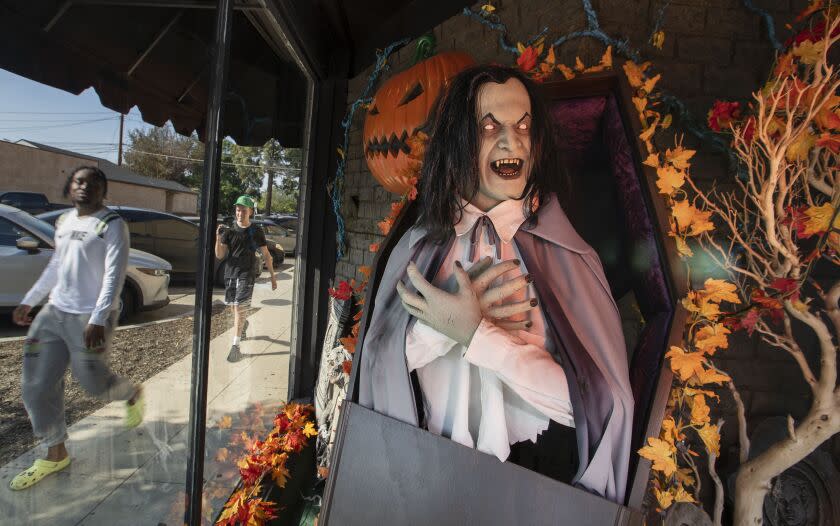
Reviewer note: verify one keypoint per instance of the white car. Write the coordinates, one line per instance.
(26, 245)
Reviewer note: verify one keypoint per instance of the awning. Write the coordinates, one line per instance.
(155, 54)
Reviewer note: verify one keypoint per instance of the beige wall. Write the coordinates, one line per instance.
(135, 195)
(32, 170)
(183, 203)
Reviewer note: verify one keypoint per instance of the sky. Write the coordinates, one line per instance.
(40, 113)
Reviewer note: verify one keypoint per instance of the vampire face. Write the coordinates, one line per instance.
(504, 153)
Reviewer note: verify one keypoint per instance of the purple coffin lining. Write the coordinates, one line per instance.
(583, 123)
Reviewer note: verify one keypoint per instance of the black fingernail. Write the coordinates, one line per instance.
(528, 324)
(534, 303)
(458, 264)
(528, 278)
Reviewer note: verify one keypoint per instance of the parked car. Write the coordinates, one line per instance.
(26, 245)
(283, 229)
(280, 240)
(165, 235)
(31, 202)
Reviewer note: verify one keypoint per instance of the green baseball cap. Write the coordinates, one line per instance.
(245, 200)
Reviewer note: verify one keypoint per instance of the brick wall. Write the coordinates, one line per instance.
(714, 49)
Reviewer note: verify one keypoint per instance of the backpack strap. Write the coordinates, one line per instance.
(61, 219)
(102, 226)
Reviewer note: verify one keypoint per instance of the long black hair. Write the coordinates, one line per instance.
(450, 167)
(97, 173)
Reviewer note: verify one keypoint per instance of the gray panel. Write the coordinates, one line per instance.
(389, 472)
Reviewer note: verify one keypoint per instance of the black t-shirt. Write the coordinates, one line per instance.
(242, 246)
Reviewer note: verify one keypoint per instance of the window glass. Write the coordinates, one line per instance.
(9, 233)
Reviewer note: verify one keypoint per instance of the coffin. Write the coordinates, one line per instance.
(388, 472)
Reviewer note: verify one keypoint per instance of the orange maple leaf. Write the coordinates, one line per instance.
(635, 72)
(711, 438)
(690, 220)
(280, 475)
(652, 160)
(679, 157)
(669, 179)
(683, 496)
(800, 147)
(711, 338)
(699, 410)
(718, 290)
(567, 72)
(663, 498)
(685, 364)
(661, 453)
(309, 430)
(683, 248)
(709, 376)
(819, 219)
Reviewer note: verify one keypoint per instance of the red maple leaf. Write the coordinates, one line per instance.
(789, 288)
(749, 320)
(295, 440)
(761, 298)
(343, 292)
(723, 114)
(527, 60)
(282, 422)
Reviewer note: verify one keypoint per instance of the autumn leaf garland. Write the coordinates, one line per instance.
(293, 427)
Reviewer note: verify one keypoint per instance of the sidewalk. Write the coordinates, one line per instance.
(137, 476)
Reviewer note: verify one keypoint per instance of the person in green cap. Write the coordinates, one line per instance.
(239, 244)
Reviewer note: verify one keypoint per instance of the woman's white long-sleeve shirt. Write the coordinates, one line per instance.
(505, 386)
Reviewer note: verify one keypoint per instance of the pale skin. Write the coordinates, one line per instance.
(87, 194)
(504, 121)
(243, 219)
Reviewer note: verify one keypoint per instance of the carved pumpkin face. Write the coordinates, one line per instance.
(398, 109)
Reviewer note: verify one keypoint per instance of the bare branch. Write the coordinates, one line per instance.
(743, 438)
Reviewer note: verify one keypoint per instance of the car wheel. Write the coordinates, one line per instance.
(129, 303)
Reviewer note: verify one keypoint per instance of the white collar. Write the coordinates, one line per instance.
(506, 217)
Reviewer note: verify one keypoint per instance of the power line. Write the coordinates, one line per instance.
(264, 167)
(31, 128)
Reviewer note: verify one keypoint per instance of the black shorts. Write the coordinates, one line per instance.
(238, 290)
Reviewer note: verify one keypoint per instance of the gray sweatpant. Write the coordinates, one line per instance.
(55, 339)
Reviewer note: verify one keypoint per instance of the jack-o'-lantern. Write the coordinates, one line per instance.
(399, 109)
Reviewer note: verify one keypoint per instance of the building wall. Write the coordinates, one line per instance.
(183, 203)
(32, 170)
(714, 49)
(120, 193)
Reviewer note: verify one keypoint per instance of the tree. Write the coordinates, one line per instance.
(164, 154)
(777, 236)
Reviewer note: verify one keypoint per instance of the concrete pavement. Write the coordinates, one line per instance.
(137, 476)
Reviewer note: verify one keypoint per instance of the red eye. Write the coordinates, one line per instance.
(489, 126)
(523, 126)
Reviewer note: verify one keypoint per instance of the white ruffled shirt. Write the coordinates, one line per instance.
(505, 387)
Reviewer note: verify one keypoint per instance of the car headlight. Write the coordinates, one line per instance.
(153, 271)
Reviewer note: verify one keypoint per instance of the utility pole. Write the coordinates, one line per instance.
(119, 154)
(268, 192)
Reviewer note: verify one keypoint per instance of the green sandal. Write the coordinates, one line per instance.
(33, 474)
(134, 412)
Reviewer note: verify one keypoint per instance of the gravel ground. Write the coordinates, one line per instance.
(137, 353)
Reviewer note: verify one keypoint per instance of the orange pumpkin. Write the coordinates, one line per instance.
(398, 109)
